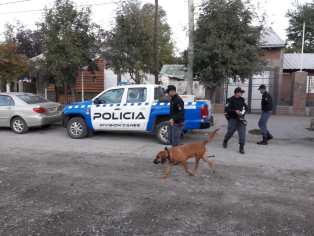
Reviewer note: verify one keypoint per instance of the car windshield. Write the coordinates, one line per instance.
(32, 99)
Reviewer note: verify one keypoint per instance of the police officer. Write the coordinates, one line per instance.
(267, 107)
(176, 116)
(235, 110)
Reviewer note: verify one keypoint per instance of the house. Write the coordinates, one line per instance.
(177, 75)
(271, 50)
(292, 89)
(287, 97)
(90, 82)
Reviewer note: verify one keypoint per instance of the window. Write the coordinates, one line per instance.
(6, 101)
(137, 95)
(159, 93)
(310, 84)
(32, 99)
(111, 96)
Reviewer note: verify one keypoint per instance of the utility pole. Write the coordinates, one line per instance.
(156, 50)
(302, 50)
(189, 87)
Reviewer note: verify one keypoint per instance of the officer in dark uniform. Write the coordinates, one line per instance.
(176, 116)
(235, 110)
(267, 108)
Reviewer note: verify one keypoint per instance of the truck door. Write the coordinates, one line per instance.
(136, 110)
(106, 111)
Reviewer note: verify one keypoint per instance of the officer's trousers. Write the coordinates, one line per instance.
(175, 132)
(262, 124)
(233, 126)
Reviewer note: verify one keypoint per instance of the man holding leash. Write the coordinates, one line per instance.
(267, 107)
(235, 110)
(176, 116)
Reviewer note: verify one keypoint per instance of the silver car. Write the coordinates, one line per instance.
(21, 111)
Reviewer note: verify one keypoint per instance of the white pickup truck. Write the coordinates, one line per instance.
(132, 108)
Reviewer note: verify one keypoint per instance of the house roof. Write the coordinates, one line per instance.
(174, 71)
(292, 61)
(270, 39)
(38, 58)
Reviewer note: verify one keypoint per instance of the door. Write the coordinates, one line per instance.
(135, 112)
(105, 114)
(6, 110)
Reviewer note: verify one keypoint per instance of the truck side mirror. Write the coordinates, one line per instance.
(97, 101)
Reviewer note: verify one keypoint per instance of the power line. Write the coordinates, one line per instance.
(42, 10)
(8, 3)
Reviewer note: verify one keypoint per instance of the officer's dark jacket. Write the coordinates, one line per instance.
(267, 102)
(234, 104)
(177, 109)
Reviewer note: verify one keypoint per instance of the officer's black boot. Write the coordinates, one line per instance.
(269, 136)
(225, 143)
(241, 149)
(263, 142)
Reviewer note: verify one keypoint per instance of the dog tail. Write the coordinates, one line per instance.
(211, 136)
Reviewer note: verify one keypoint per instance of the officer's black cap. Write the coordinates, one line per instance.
(239, 90)
(262, 86)
(171, 88)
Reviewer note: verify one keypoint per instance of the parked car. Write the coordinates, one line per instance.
(132, 108)
(20, 111)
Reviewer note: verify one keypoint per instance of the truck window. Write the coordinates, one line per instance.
(160, 95)
(112, 96)
(137, 95)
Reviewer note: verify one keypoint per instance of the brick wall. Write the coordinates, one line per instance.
(93, 81)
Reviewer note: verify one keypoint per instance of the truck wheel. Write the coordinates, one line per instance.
(162, 133)
(19, 126)
(77, 128)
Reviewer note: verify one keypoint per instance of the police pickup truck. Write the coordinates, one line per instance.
(132, 108)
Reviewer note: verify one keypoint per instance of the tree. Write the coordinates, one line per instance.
(226, 43)
(70, 42)
(28, 42)
(130, 43)
(297, 16)
(12, 64)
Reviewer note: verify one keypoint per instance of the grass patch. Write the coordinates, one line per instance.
(255, 131)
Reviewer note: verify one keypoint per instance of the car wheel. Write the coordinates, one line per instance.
(162, 131)
(19, 126)
(76, 128)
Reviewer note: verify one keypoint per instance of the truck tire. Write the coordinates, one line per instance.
(162, 130)
(77, 128)
(18, 125)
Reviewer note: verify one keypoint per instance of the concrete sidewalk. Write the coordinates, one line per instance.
(282, 127)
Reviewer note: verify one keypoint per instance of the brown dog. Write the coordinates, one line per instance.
(180, 155)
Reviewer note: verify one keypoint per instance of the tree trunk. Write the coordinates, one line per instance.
(210, 93)
(73, 94)
(0, 85)
(119, 77)
(57, 92)
(65, 93)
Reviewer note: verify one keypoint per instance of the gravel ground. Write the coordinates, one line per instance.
(108, 185)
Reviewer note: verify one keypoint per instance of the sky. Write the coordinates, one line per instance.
(103, 12)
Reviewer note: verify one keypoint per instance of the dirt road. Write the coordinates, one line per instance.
(108, 185)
